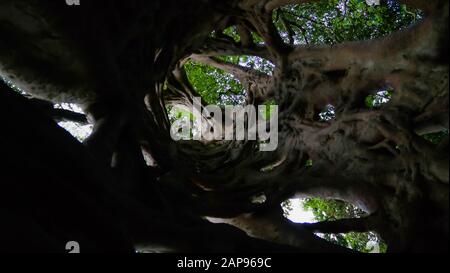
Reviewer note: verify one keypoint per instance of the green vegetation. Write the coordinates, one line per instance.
(219, 87)
(214, 85)
(336, 21)
(324, 22)
(436, 138)
(332, 210)
(339, 122)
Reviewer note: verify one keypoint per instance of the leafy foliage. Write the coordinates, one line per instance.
(186, 119)
(287, 207)
(214, 85)
(231, 32)
(270, 109)
(219, 87)
(337, 21)
(322, 22)
(364, 242)
(332, 210)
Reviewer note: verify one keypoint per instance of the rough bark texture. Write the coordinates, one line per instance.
(117, 59)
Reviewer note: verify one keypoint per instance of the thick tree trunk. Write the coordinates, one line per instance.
(121, 62)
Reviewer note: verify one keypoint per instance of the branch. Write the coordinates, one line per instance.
(432, 124)
(241, 72)
(220, 47)
(263, 23)
(108, 219)
(246, 36)
(426, 6)
(66, 115)
(108, 128)
(272, 226)
(379, 57)
(340, 226)
(302, 29)
(274, 4)
(290, 31)
(58, 114)
(254, 81)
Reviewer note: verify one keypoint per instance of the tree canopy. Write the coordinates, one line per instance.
(362, 96)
